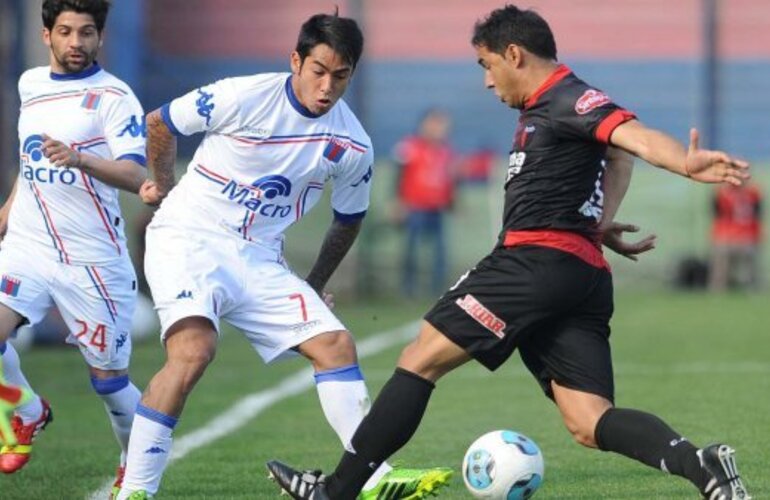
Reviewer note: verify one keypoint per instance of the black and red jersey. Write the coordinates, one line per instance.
(554, 179)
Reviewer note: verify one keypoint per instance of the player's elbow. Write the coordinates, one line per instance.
(156, 125)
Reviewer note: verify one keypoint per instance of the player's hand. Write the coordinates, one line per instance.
(613, 239)
(150, 193)
(704, 165)
(328, 299)
(59, 154)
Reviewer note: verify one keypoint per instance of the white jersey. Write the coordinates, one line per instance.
(264, 160)
(64, 213)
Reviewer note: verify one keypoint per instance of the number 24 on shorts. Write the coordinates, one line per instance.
(98, 335)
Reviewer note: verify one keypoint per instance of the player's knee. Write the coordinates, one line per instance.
(330, 350)
(582, 433)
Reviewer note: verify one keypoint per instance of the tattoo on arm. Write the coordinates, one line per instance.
(339, 239)
(161, 152)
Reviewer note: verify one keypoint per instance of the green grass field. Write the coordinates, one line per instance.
(700, 361)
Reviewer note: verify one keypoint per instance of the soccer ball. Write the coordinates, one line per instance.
(503, 465)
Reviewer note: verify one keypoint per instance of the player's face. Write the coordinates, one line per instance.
(320, 80)
(500, 76)
(74, 42)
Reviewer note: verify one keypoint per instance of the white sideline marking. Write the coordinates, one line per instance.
(252, 405)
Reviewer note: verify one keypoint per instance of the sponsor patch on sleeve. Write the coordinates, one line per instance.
(590, 100)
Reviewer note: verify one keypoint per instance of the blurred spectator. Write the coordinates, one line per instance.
(736, 235)
(426, 188)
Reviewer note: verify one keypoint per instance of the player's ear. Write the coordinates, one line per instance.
(296, 62)
(513, 54)
(46, 34)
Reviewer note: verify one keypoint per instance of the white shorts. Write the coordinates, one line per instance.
(96, 302)
(199, 273)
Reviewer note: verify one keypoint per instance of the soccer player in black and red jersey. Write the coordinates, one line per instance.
(546, 288)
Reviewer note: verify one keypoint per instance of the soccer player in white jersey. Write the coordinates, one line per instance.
(81, 139)
(215, 246)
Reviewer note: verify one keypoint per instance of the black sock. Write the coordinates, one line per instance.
(393, 419)
(648, 439)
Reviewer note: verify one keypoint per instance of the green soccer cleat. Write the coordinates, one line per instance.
(11, 397)
(139, 495)
(408, 484)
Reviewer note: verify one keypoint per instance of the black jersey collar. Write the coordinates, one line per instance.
(561, 71)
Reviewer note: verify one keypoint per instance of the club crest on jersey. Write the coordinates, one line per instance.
(590, 100)
(92, 100)
(10, 286)
(482, 315)
(335, 150)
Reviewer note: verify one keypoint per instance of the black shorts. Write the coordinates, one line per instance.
(551, 305)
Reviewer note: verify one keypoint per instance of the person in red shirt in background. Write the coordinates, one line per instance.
(426, 189)
(736, 235)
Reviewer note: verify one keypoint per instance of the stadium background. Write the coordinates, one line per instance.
(649, 55)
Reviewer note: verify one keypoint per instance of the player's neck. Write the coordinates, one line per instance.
(540, 73)
(59, 69)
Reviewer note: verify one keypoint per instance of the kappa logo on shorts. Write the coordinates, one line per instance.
(590, 100)
(121, 341)
(10, 286)
(482, 315)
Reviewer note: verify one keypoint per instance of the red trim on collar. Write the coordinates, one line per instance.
(561, 71)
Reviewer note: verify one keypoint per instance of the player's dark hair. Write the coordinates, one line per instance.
(97, 8)
(340, 33)
(511, 25)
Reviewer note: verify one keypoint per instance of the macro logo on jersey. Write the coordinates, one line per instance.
(32, 154)
(482, 315)
(204, 108)
(135, 127)
(256, 197)
(273, 185)
(335, 150)
(92, 100)
(590, 100)
(10, 286)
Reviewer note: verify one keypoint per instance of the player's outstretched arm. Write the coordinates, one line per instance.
(339, 238)
(122, 174)
(161, 156)
(662, 150)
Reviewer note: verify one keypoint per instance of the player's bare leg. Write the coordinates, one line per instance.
(594, 422)
(190, 346)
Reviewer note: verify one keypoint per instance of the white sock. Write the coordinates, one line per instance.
(32, 409)
(345, 401)
(120, 398)
(148, 451)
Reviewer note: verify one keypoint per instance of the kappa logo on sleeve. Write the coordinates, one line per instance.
(482, 315)
(365, 179)
(590, 100)
(135, 127)
(204, 106)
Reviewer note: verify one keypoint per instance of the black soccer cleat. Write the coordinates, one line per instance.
(725, 484)
(300, 485)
